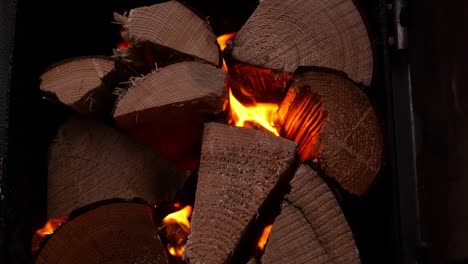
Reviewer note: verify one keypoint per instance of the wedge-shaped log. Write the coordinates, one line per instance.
(90, 162)
(239, 169)
(286, 34)
(311, 227)
(166, 109)
(344, 135)
(86, 84)
(191, 86)
(169, 28)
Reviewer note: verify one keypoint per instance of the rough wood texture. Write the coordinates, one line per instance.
(114, 233)
(86, 83)
(239, 168)
(311, 227)
(186, 86)
(167, 108)
(90, 162)
(351, 139)
(171, 25)
(286, 34)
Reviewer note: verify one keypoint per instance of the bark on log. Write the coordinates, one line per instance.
(239, 169)
(311, 227)
(350, 143)
(170, 28)
(113, 233)
(86, 84)
(90, 162)
(166, 109)
(286, 34)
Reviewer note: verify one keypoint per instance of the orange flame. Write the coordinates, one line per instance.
(181, 218)
(263, 114)
(302, 117)
(51, 225)
(222, 41)
(264, 238)
(175, 251)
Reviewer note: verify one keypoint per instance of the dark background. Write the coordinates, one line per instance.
(439, 59)
(403, 219)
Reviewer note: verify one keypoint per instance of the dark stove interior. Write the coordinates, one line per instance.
(383, 222)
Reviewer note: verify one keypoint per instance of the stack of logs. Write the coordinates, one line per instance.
(150, 118)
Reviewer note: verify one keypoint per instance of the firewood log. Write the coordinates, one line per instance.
(286, 34)
(239, 170)
(311, 227)
(90, 162)
(166, 108)
(177, 87)
(345, 137)
(86, 84)
(167, 32)
(112, 233)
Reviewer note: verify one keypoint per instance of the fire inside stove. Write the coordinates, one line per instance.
(235, 135)
(263, 114)
(180, 218)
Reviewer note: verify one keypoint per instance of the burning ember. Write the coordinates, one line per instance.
(124, 44)
(264, 237)
(48, 229)
(51, 225)
(180, 220)
(176, 251)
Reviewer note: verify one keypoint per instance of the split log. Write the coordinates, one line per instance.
(170, 105)
(286, 34)
(239, 170)
(86, 83)
(90, 162)
(177, 87)
(348, 144)
(167, 31)
(311, 227)
(112, 233)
